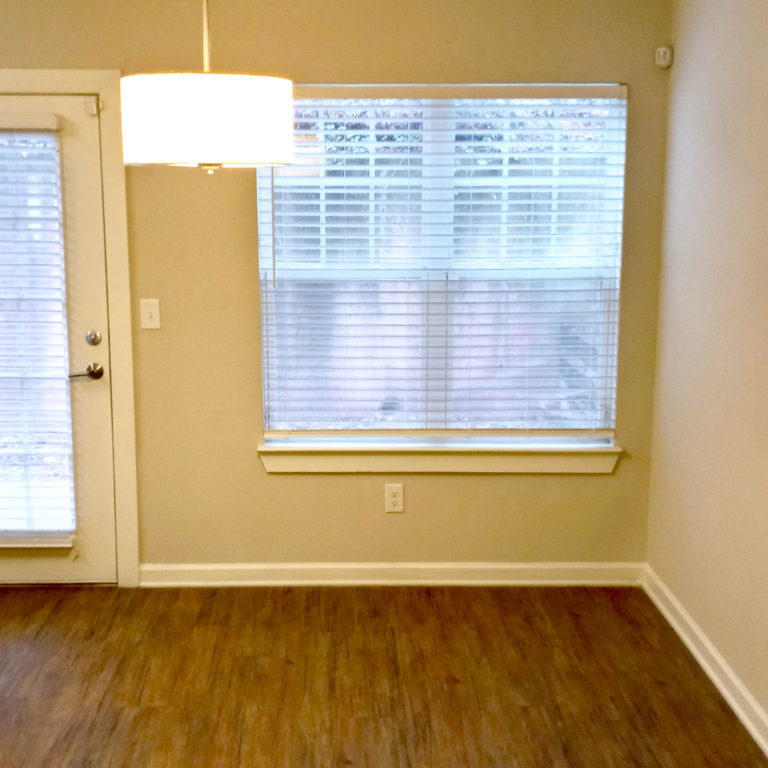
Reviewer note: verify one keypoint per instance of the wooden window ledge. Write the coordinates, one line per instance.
(302, 458)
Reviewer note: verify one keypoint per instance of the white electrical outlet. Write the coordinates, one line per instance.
(393, 497)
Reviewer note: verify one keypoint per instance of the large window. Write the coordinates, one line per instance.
(444, 261)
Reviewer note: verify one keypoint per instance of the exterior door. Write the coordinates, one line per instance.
(57, 495)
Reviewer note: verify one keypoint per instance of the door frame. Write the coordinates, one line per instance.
(105, 85)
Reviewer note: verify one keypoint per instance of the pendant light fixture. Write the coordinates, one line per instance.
(206, 119)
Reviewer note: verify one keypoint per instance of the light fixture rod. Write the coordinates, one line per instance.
(206, 41)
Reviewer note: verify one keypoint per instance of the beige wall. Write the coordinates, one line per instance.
(709, 490)
(204, 495)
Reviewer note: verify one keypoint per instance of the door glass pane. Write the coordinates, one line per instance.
(36, 478)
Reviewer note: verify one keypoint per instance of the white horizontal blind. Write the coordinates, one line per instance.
(444, 264)
(36, 480)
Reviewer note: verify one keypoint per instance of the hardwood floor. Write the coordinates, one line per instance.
(379, 677)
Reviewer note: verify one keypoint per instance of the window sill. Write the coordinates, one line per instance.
(325, 459)
(32, 541)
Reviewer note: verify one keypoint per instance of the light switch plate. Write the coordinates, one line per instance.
(149, 312)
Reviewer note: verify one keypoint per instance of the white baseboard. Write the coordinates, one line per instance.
(742, 702)
(362, 574)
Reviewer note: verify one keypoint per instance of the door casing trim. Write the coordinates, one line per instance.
(105, 85)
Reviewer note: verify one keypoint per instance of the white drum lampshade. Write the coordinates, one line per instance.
(207, 119)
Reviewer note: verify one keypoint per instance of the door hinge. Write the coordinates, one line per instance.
(93, 105)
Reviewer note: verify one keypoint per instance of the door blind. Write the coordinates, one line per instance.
(444, 264)
(36, 481)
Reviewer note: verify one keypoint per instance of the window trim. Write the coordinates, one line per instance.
(325, 458)
(460, 91)
(442, 452)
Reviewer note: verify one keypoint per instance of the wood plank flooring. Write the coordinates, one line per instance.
(337, 677)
